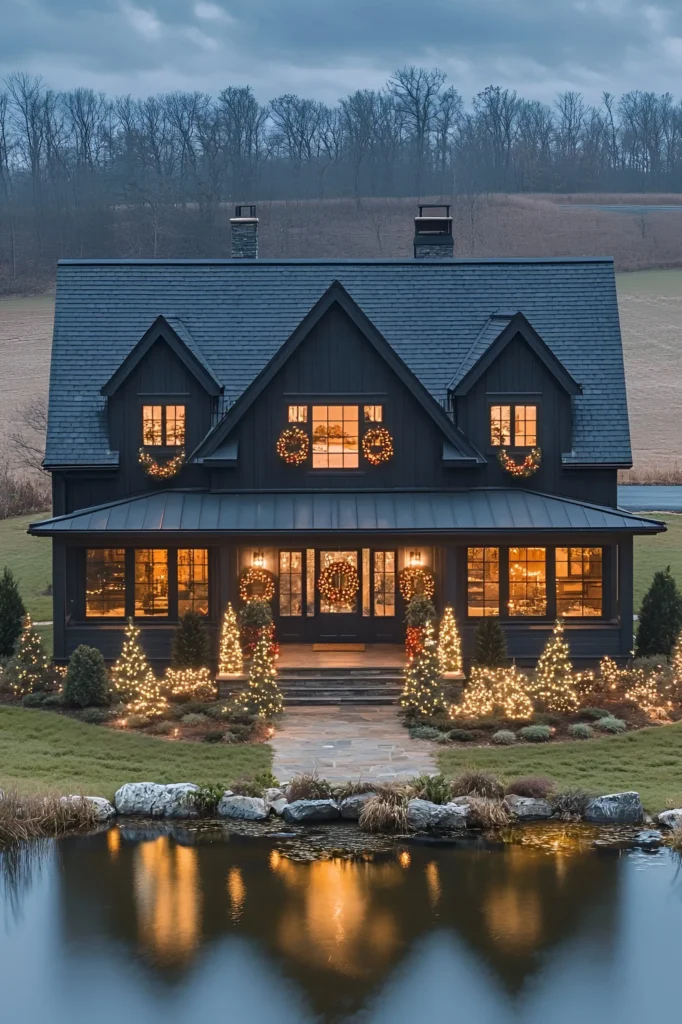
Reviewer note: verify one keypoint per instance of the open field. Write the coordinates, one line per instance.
(649, 760)
(48, 751)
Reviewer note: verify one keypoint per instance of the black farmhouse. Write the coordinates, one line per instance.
(331, 432)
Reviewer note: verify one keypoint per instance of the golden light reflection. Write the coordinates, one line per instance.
(433, 883)
(237, 893)
(113, 842)
(275, 860)
(404, 859)
(513, 916)
(168, 899)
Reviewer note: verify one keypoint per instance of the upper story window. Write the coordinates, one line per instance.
(374, 413)
(514, 425)
(298, 414)
(163, 425)
(335, 437)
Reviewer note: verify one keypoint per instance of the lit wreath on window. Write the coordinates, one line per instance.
(377, 445)
(256, 585)
(339, 582)
(530, 464)
(161, 470)
(415, 579)
(293, 445)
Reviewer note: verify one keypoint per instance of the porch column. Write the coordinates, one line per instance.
(625, 594)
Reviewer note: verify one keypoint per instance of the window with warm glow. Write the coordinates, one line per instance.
(514, 425)
(298, 414)
(335, 437)
(527, 581)
(483, 581)
(163, 425)
(151, 581)
(291, 583)
(105, 584)
(374, 413)
(579, 581)
(193, 580)
(384, 583)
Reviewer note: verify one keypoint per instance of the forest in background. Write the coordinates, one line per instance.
(83, 174)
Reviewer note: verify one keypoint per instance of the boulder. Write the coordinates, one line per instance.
(243, 808)
(670, 819)
(423, 815)
(102, 808)
(310, 810)
(275, 800)
(153, 800)
(351, 806)
(527, 808)
(615, 809)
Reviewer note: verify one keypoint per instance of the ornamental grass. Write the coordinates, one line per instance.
(386, 812)
(570, 805)
(435, 788)
(538, 787)
(477, 784)
(24, 816)
(308, 786)
(487, 813)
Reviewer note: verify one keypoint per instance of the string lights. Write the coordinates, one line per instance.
(230, 656)
(377, 445)
(161, 470)
(129, 672)
(554, 682)
(256, 584)
(149, 701)
(293, 445)
(523, 469)
(449, 644)
(492, 688)
(422, 691)
(339, 582)
(416, 579)
(263, 696)
(30, 661)
(190, 682)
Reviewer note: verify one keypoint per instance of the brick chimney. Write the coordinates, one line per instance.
(244, 226)
(433, 232)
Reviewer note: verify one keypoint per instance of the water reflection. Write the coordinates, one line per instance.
(167, 898)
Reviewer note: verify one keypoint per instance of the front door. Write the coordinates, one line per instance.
(339, 618)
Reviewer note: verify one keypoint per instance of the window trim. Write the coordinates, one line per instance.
(164, 402)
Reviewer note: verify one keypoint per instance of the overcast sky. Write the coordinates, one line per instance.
(327, 48)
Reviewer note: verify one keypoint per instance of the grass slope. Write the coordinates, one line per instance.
(29, 559)
(653, 553)
(649, 761)
(45, 750)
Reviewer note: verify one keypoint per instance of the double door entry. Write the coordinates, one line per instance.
(329, 595)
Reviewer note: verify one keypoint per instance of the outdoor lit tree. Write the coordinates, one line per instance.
(30, 663)
(449, 644)
(676, 660)
(129, 672)
(149, 700)
(12, 613)
(263, 696)
(492, 689)
(554, 681)
(422, 689)
(230, 658)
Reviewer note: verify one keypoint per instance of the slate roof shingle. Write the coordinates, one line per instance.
(237, 313)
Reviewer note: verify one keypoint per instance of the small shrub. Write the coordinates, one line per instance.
(539, 787)
(570, 805)
(241, 732)
(193, 719)
(12, 612)
(53, 700)
(594, 713)
(248, 787)
(194, 707)
(424, 732)
(190, 643)
(581, 731)
(477, 783)
(444, 739)
(435, 788)
(137, 721)
(206, 800)
(240, 717)
(229, 737)
(218, 712)
(308, 786)
(86, 681)
(491, 645)
(213, 736)
(487, 813)
(385, 812)
(94, 716)
(420, 610)
(162, 728)
(660, 616)
(266, 780)
(610, 724)
(503, 737)
(33, 700)
(535, 733)
(467, 735)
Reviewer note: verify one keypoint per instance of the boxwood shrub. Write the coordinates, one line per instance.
(535, 733)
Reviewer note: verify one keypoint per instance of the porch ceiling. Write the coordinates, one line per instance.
(487, 510)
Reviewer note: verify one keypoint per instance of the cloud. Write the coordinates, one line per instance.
(327, 49)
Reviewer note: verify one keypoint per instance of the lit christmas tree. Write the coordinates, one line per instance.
(129, 673)
(422, 691)
(149, 700)
(491, 688)
(30, 662)
(554, 682)
(230, 658)
(263, 697)
(449, 644)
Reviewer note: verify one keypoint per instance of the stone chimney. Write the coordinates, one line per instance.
(433, 232)
(244, 226)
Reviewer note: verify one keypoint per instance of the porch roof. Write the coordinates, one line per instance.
(483, 510)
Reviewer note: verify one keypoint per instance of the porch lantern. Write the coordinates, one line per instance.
(258, 560)
(415, 558)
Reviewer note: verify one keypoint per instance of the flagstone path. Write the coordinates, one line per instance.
(349, 743)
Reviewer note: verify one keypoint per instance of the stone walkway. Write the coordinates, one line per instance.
(349, 743)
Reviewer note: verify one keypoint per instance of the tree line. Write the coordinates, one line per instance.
(85, 174)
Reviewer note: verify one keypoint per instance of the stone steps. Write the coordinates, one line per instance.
(301, 687)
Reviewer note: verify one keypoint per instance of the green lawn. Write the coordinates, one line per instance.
(46, 750)
(649, 761)
(652, 553)
(29, 558)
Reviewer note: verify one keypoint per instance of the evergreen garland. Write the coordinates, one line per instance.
(129, 672)
(422, 691)
(490, 644)
(449, 644)
(263, 696)
(190, 642)
(660, 617)
(230, 658)
(554, 682)
(12, 613)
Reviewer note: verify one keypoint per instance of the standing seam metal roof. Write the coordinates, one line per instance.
(238, 313)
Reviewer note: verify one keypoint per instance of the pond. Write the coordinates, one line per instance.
(146, 924)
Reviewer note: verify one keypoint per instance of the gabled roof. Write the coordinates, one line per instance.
(478, 510)
(178, 338)
(336, 294)
(239, 313)
(489, 346)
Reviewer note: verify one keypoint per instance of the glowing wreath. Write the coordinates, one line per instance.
(524, 469)
(415, 579)
(161, 470)
(339, 582)
(293, 445)
(256, 585)
(377, 445)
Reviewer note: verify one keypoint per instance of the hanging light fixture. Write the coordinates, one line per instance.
(415, 558)
(258, 560)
